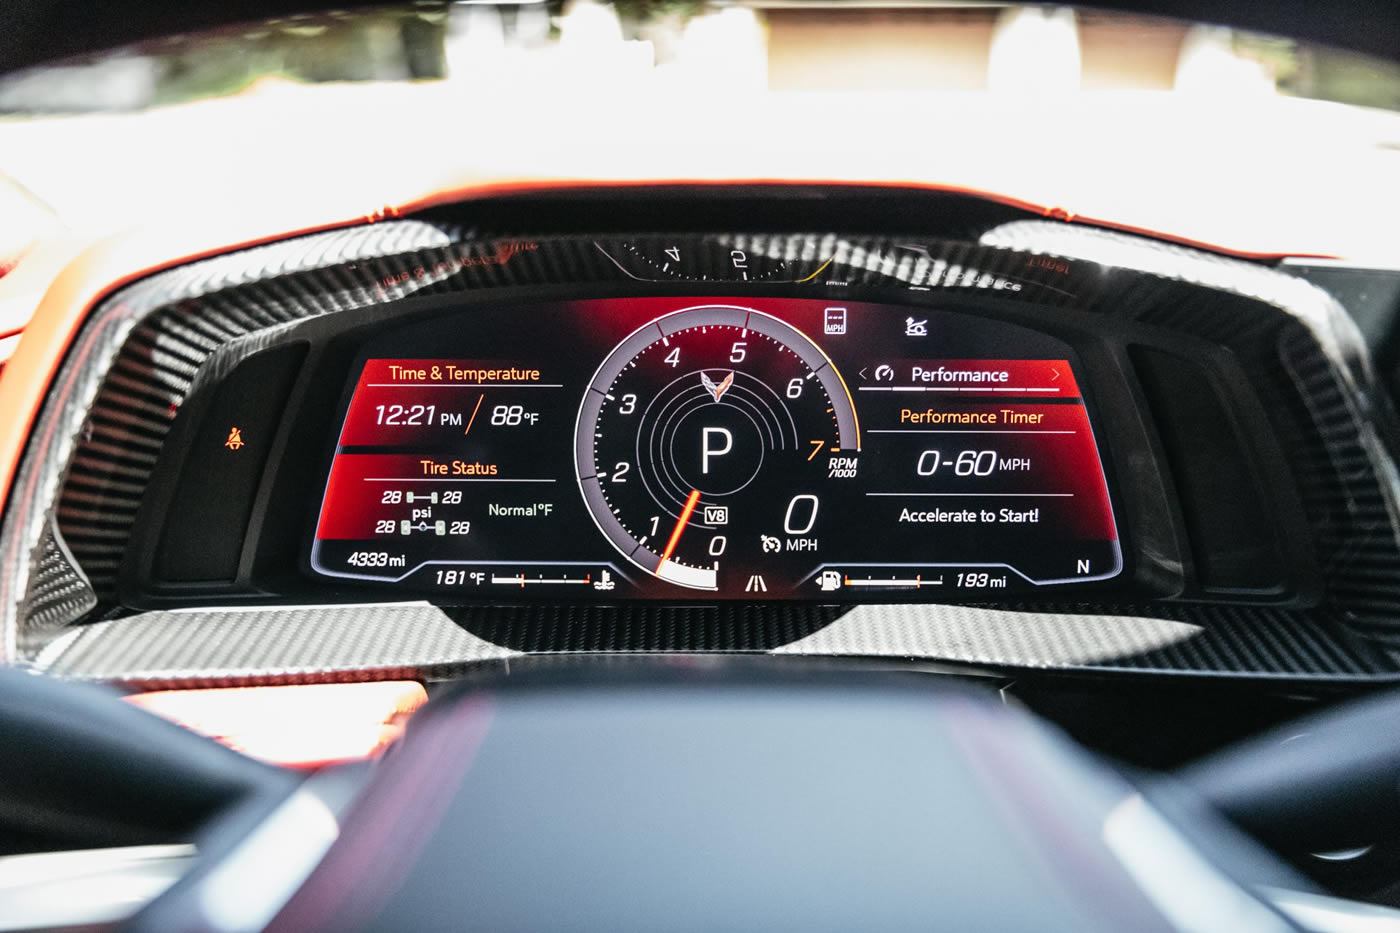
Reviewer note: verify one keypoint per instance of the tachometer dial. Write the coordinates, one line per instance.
(703, 444)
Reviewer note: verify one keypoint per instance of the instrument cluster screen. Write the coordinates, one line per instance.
(712, 448)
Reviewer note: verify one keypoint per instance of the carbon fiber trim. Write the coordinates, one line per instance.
(1255, 644)
(1315, 354)
(315, 644)
(101, 430)
(271, 645)
(58, 591)
(158, 362)
(114, 398)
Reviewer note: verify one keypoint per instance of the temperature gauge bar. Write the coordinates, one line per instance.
(520, 576)
(522, 580)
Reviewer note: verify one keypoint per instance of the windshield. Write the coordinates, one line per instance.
(1204, 131)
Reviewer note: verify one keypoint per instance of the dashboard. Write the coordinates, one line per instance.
(420, 443)
(647, 447)
(1145, 491)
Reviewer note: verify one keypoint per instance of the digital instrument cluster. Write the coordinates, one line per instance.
(745, 448)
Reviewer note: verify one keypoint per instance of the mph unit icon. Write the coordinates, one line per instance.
(835, 322)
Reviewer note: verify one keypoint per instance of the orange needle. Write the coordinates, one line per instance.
(686, 512)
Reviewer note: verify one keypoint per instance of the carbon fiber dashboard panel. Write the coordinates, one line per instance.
(1316, 357)
(268, 646)
(97, 440)
(159, 359)
(116, 395)
(58, 591)
(313, 644)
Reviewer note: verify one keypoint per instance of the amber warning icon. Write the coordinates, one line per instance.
(235, 439)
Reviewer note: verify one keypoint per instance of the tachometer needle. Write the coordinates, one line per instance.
(690, 502)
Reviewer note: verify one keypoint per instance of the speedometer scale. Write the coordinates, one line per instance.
(699, 439)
